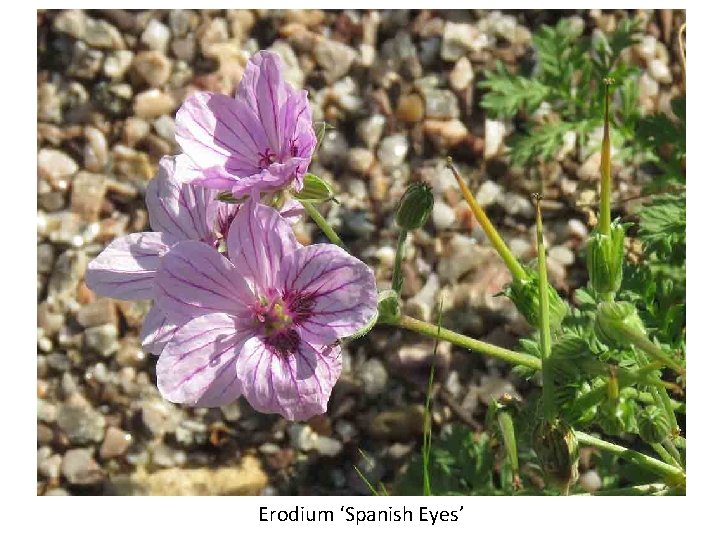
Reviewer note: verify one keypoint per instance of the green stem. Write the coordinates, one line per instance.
(323, 224)
(665, 455)
(646, 462)
(673, 451)
(605, 177)
(644, 344)
(516, 269)
(646, 489)
(397, 276)
(548, 390)
(427, 329)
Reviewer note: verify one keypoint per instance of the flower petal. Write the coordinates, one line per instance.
(156, 331)
(183, 210)
(258, 240)
(197, 366)
(331, 293)
(194, 279)
(292, 211)
(126, 268)
(214, 129)
(264, 90)
(296, 385)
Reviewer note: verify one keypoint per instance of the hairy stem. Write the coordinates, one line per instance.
(548, 390)
(516, 269)
(322, 223)
(645, 489)
(605, 177)
(646, 462)
(397, 277)
(431, 330)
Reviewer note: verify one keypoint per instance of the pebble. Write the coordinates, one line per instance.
(58, 361)
(327, 446)
(153, 103)
(577, 228)
(460, 39)
(392, 151)
(153, 67)
(79, 467)
(590, 169)
(102, 339)
(590, 481)
(95, 153)
(333, 152)
(451, 132)
(85, 62)
(292, 71)
(398, 424)
(443, 216)
(48, 464)
(520, 247)
(562, 255)
(489, 193)
(360, 160)
(54, 165)
(81, 423)
(373, 377)
(492, 388)
(494, 135)
(461, 75)
(335, 58)
(518, 205)
(117, 63)
(71, 21)
(67, 273)
(103, 35)
(371, 129)
(159, 417)
(346, 430)
(441, 104)
(410, 108)
(302, 437)
(45, 258)
(182, 21)
(98, 312)
(660, 71)
(88, 195)
(156, 36)
(46, 411)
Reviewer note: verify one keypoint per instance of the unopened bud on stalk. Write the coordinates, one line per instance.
(653, 425)
(556, 447)
(605, 253)
(415, 206)
(525, 294)
(614, 321)
(315, 190)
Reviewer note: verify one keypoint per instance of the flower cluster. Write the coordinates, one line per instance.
(241, 308)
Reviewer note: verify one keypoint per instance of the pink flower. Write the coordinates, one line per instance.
(261, 140)
(262, 322)
(126, 268)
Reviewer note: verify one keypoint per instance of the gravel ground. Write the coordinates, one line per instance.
(400, 89)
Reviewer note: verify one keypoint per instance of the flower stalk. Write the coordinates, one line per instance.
(670, 472)
(605, 177)
(516, 269)
(397, 275)
(475, 345)
(549, 405)
(322, 223)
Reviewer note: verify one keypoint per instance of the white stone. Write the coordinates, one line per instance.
(494, 134)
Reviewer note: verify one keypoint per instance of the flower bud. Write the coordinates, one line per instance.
(605, 259)
(653, 425)
(614, 320)
(556, 447)
(415, 206)
(571, 357)
(525, 294)
(315, 190)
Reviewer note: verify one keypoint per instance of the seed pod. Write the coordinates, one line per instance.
(525, 294)
(653, 425)
(605, 259)
(615, 320)
(315, 190)
(415, 206)
(556, 446)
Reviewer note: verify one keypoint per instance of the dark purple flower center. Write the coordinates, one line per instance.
(267, 158)
(277, 317)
